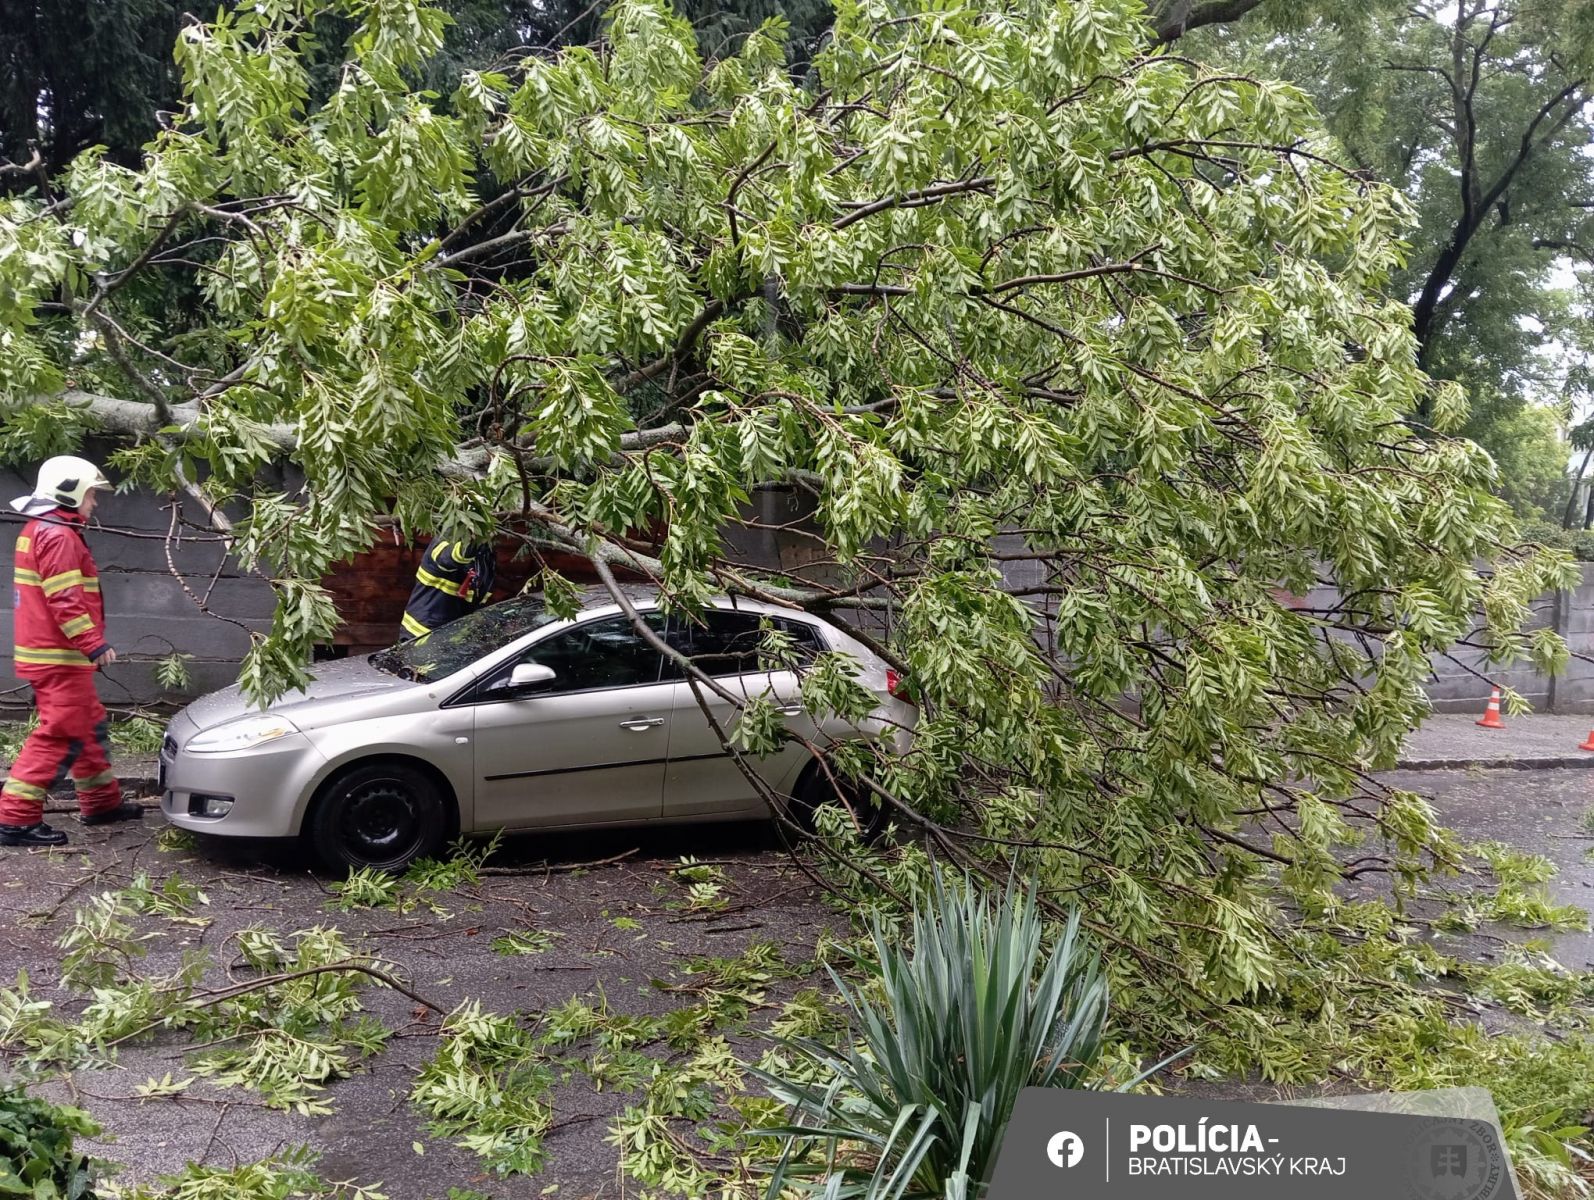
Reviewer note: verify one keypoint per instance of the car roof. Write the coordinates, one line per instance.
(594, 596)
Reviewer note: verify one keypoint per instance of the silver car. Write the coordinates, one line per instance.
(512, 719)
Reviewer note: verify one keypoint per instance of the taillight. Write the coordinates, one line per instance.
(896, 684)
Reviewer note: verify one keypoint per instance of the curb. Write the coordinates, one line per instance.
(1550, 762)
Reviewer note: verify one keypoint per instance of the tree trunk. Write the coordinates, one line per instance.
(1577, 482)
(1172, 19)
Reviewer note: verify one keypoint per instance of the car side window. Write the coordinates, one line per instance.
(721, 642)
(609, 653)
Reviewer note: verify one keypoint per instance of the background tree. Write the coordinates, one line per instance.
(1002, 286)
(80, 73)
(1530, 455)
(1480, 113)
(1579, 390)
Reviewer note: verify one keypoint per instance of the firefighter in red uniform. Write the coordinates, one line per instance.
(59, 621)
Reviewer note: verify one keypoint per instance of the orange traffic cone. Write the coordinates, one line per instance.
(1588, 742)
(1491, 715)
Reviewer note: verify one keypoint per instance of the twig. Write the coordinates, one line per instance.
(550, 868)
(215, 1130)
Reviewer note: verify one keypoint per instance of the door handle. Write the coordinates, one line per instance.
(790, 710)
(638, 724)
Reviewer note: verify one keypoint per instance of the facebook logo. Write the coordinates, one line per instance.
(1065, 1149)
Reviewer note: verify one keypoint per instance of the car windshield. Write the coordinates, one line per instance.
(460, 643)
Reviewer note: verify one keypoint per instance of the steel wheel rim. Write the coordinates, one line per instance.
(381, 822)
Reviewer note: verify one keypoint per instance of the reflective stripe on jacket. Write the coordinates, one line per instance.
(454, 578)
(59, 613)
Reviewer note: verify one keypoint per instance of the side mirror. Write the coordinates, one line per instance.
(528, 676)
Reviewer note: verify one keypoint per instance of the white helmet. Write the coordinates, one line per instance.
(63, 482)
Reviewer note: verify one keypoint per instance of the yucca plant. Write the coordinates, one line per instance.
(977, 1007)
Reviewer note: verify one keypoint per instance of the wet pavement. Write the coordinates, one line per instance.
(1531, 742)
(616, 926)
(1544, 812)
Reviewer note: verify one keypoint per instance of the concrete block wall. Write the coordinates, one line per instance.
(148, 614)
(1462, 679)
(1574, 615)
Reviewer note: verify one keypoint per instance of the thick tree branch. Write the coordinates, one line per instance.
(1586, 253)
(1172, 19)
(683, 346)
(132, 418)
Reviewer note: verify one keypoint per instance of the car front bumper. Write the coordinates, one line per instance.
(259, 792)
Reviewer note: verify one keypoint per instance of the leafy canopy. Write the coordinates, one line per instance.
(1076, 351)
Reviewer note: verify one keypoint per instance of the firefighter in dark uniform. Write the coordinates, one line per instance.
(454, 578)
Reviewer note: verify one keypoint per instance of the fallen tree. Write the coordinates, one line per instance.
(1007, 285)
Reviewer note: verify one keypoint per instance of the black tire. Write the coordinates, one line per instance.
(382, 815)
(817, 786)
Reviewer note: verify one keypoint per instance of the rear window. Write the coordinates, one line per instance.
(721, 642)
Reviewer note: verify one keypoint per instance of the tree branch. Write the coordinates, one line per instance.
(1578, 248)
(1172, 19)
(915, 199)
(711, 312)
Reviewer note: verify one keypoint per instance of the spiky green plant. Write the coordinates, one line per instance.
(976, 1007)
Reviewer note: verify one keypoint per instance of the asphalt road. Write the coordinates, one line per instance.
(1541, 812)
(372, 1135)
(622, 926)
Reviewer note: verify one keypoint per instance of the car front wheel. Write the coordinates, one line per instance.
(380, 815)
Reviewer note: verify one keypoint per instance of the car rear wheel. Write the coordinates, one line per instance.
(382, 815)
(818, 786)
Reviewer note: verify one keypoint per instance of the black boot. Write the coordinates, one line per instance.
(31, 835)
(125, 811)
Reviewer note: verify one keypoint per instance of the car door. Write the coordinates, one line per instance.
(727, 645)
(587, 747)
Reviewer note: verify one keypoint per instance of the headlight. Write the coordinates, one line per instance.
(240, 734)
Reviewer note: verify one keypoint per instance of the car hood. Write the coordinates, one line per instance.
(344, 679)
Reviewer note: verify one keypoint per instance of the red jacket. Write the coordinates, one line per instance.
(58, 615)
